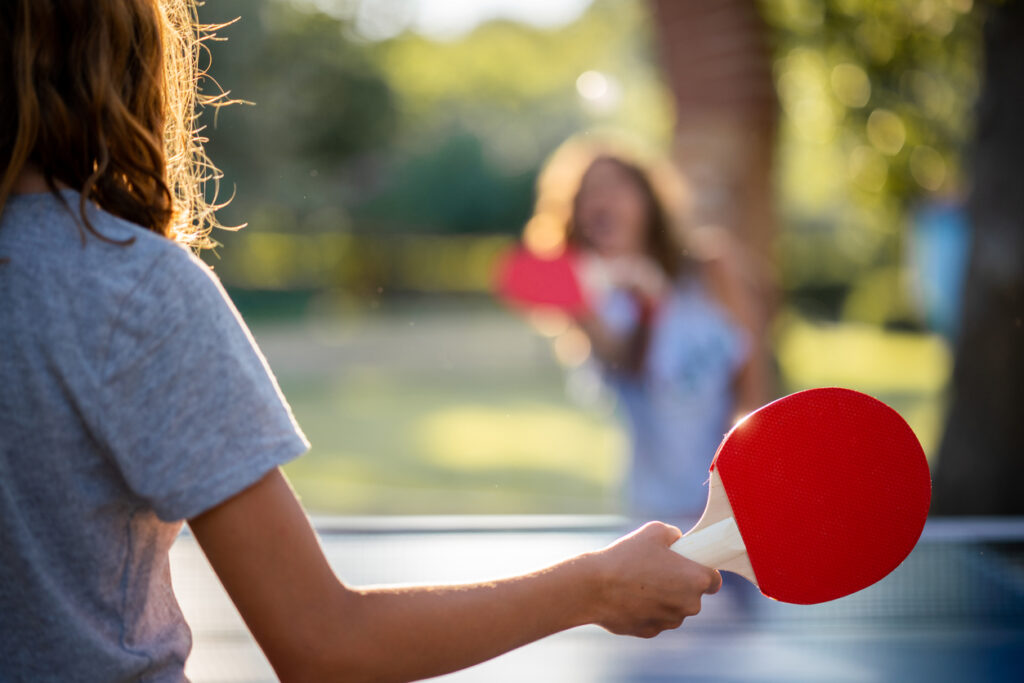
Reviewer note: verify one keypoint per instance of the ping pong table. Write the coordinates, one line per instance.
(953, 611)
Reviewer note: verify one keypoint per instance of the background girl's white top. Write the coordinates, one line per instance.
(681, 403)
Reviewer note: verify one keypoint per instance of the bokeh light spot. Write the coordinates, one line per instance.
(928, 167)
(600, 92)
(572, 348)
(851, 85)
(868, 169)
(592, 85)
(886, 131)
(549, 322)
(815, 120)
(544, 236)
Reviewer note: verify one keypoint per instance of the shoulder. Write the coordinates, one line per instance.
(167, 291)
(716, 249)
(151, 279)
(125, 246)
(91, 304)
(725, 273)
(132, 256)
(44, 234)
(119, 271)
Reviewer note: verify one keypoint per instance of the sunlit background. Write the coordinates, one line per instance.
(390, 154)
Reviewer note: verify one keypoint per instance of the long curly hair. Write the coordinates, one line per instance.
(101, 96)
(659, 243)
(553, 225)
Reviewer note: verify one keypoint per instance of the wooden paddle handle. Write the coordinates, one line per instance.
(713, 545)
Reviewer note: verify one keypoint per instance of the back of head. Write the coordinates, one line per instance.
(99, 96)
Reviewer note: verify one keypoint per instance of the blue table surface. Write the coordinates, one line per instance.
(953, 611)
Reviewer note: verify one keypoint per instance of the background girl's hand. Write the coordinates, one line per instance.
(645, 588)
(640, 275)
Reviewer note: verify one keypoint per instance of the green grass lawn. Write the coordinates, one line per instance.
(417, 445)
(437, 411)
(464, 411)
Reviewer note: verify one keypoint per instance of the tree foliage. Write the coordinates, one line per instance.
(412, 134)
(876, 99)
(316, 100)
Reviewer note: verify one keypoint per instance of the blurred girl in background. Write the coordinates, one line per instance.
(672, 324)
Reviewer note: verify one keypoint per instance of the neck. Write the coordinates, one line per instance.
(30, 181)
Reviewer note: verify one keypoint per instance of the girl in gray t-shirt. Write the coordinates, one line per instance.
(133, 399)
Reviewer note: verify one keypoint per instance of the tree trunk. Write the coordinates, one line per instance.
(718, 65)
(980, 468)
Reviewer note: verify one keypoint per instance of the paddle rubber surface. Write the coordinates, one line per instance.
(530, 281)
(830, 490)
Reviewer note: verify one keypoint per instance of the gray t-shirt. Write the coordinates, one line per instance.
(132, 397)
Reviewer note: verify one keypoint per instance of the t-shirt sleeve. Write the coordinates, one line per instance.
(193, 414)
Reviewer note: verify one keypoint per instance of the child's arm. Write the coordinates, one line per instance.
(621, 352)
(313, 627)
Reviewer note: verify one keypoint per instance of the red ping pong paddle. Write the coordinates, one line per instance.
(814, 496)
(530, 281)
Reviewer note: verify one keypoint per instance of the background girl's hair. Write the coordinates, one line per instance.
(101, 96)
(660, 243)
(550, 229)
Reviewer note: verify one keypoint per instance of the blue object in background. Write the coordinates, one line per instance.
(940, 244)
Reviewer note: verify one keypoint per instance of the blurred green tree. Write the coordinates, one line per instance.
(876, 111)
(412, 134)
(450, 187)
(480, 113)
(319, 101)
(901, 80)
(409, 133)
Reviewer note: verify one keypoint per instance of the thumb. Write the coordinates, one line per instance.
(716, 583)
(665, 534)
